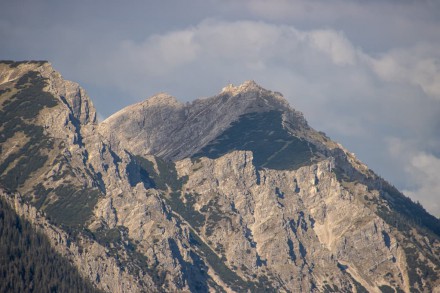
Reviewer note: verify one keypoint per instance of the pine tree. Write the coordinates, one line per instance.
(29, 264)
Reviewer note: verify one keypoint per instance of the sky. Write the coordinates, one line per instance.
(367, 73)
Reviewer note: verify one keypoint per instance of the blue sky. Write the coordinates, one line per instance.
(365, 72)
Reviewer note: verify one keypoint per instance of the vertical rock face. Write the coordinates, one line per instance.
(231, 193)
(70, 93)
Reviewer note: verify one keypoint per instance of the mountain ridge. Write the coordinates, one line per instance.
(230, 193)
(223, 109)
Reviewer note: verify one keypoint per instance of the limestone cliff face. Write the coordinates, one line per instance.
(231, 193)
(70, 93)
(303, 226)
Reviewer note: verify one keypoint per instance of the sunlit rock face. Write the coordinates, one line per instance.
(231, 193)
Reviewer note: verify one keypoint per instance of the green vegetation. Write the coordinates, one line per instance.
(107, 236)
(17, 115)
(358, 286)
(13, 64)
(404, 215)
(263, 134)
(74, 205)
(64, 169)
(386, 289)
(186, 209)
(167, 176)
(137, 172)
(327, 288)
(412, 212)
(4, 91)
(29, 264)
(418, 269)
(214, 216)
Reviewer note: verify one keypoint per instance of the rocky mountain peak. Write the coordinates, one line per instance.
(67, 92)
(248, 85)
(161, 99)
(163, 126)
(73, 96)
(256, 96)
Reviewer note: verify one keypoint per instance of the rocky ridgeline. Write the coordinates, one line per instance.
(231, 193)
(164, 127)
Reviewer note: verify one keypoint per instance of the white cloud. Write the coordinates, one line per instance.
(161, 54)
(334, 44)
(419, 65)
(423, 168)
(294, 9)
(247, 47)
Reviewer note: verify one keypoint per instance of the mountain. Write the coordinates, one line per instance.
(233, 193)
